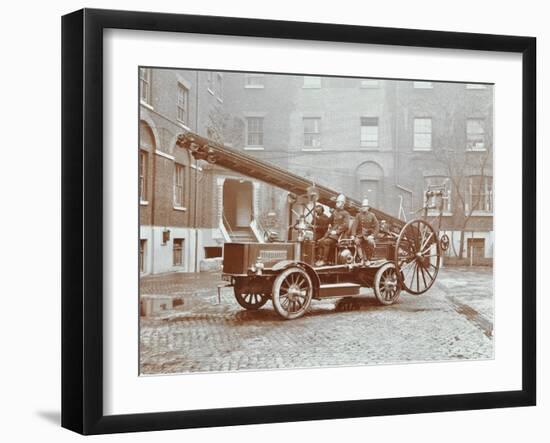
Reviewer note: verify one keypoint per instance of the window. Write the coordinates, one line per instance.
(475, 134)
(479, 195)
(254, 81)
(218, 91)
(312, 82)
(255, 131)
(475, 86)
(145, 85)
(439, 184)
(177, 254)
(370, 83)
(183, 104)
(210, 81)
(312, 132)
(179, 185)
(422, 134)
(423, 85)
(142, 249)
(143, 176)
(369, 132)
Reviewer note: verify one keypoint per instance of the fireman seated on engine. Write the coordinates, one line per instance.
(321, 222)
(364, 231)
(339, 224)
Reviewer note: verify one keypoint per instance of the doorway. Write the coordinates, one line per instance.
(476, 248)
(237, 203)
(370, 190)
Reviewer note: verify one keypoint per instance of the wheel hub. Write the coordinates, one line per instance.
(390, 285)
(294, 292)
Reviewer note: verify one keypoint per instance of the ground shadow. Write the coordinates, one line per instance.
(53, 417)
(341, 305)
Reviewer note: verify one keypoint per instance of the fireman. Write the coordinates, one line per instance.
(364, 231)
(339, 224)
(321, 222)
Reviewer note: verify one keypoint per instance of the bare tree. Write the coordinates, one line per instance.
(468, 172)
(223, 128)
(217, 121)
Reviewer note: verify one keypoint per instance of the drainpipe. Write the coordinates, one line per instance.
(195, 217)
(153, 195)
(396, 147)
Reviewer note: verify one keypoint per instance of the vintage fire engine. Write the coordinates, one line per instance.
(407, 255)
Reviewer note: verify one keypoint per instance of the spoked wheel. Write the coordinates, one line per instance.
(386, 284)
(417, 256)
(251, 295)
(292, 293)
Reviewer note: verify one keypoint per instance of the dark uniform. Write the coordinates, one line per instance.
(321, 226)
(365, 225)
(339, 224)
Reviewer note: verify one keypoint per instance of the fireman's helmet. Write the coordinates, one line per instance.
(365, 202)
(341, 198)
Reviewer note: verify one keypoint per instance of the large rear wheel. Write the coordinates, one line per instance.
(292, 293)
(417, 256)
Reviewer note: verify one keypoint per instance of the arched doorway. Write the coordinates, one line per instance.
(370, 183)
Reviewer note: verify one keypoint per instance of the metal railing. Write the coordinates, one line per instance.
(226, 224)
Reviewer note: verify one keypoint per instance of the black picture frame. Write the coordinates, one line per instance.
(82, 218)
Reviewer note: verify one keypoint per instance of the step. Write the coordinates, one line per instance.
(339, 289)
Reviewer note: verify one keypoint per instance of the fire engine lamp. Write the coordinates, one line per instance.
(258, 267)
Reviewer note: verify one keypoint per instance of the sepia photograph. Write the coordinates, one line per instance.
(293, 221)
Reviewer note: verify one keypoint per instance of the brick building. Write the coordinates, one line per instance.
(385, 140)
(171, 222)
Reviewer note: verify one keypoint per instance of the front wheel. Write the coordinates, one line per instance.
(292, 293)
(386, 285)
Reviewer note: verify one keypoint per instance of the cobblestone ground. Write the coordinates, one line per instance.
(452, 321)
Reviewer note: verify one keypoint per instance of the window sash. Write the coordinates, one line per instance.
(422, 85)
(312, 82)
(369, 132)
(312, 132)
(422, 133)
(254, 79)
(182, 103)
(177, 252)
(370, 83)
(312, 125)
(475, 86)
(179, 182)
(255, 131)
(145, 85)
(480, 194)
(475, 134)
